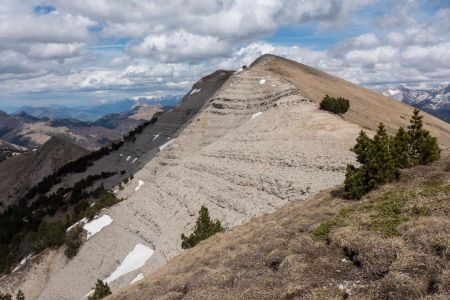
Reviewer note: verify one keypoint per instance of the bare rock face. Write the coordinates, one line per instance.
(257, 145)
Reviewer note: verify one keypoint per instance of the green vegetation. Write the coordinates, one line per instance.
(101, 290)
(73, 241)
(335, 105)
(28, 237)
(5, 296)
(381, 158)
(19, 296)
(385, 212)
(204, 228)
(49, 234)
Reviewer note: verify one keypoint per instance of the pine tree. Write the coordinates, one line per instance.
(381, 167)
(400, 148)
(20, 295)
(362, 148)
(5, 296)
(101, 290)
(204, 228)
(423, 148)
(377, 164)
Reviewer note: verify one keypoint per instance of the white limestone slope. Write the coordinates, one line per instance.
(235, 165)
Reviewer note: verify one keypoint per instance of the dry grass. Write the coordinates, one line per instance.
(393, 244)
(367, 108)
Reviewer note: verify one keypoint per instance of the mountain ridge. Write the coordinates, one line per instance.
(255, 141)
(434, 101)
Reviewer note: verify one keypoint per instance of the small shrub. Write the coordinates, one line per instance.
(5, 296)
(335, 105)
(324, 229)
(101, 290)
(204, 228)
(73, 241)
(20, 295)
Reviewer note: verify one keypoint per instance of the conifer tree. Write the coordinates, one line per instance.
(20, 295)
(5, 296)
(377, 164)
(101, 290)
(400, 148)
(423, 148)
(204, 228)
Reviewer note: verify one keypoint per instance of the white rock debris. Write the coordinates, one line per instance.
(262, 81)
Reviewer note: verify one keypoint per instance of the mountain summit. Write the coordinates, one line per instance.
(241, 144)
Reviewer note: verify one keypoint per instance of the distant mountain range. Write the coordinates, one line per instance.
(434, 101)
(96, 111)
(21, 131)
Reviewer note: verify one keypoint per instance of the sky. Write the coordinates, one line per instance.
(81, 52)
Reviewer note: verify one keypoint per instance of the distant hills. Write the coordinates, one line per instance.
(434, 101)
(31, 131)
(94, 112)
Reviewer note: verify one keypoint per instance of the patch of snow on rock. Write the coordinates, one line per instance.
(82, 221)
(88, 294)
(133, 261)
(194, 91)
(262, 81)
(156, 136)
(139, 277)
(134, 160)
(128, 158)
(256, 115)
(161, 148)
(140, 183)
(97, 225)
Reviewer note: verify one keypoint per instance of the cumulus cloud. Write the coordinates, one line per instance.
(121, 47)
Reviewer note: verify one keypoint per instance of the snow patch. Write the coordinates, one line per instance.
(22, 262)
(34, 150)
(140, 183)
(194, 91)
(82, 221)
(120, 154)
(133, 261)
(97, 225)
(139, 277)
(134, 160)
(262, 81)
(156, 136)
(88, 294)
(165, 145)
(256, 115)
(128, 158)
